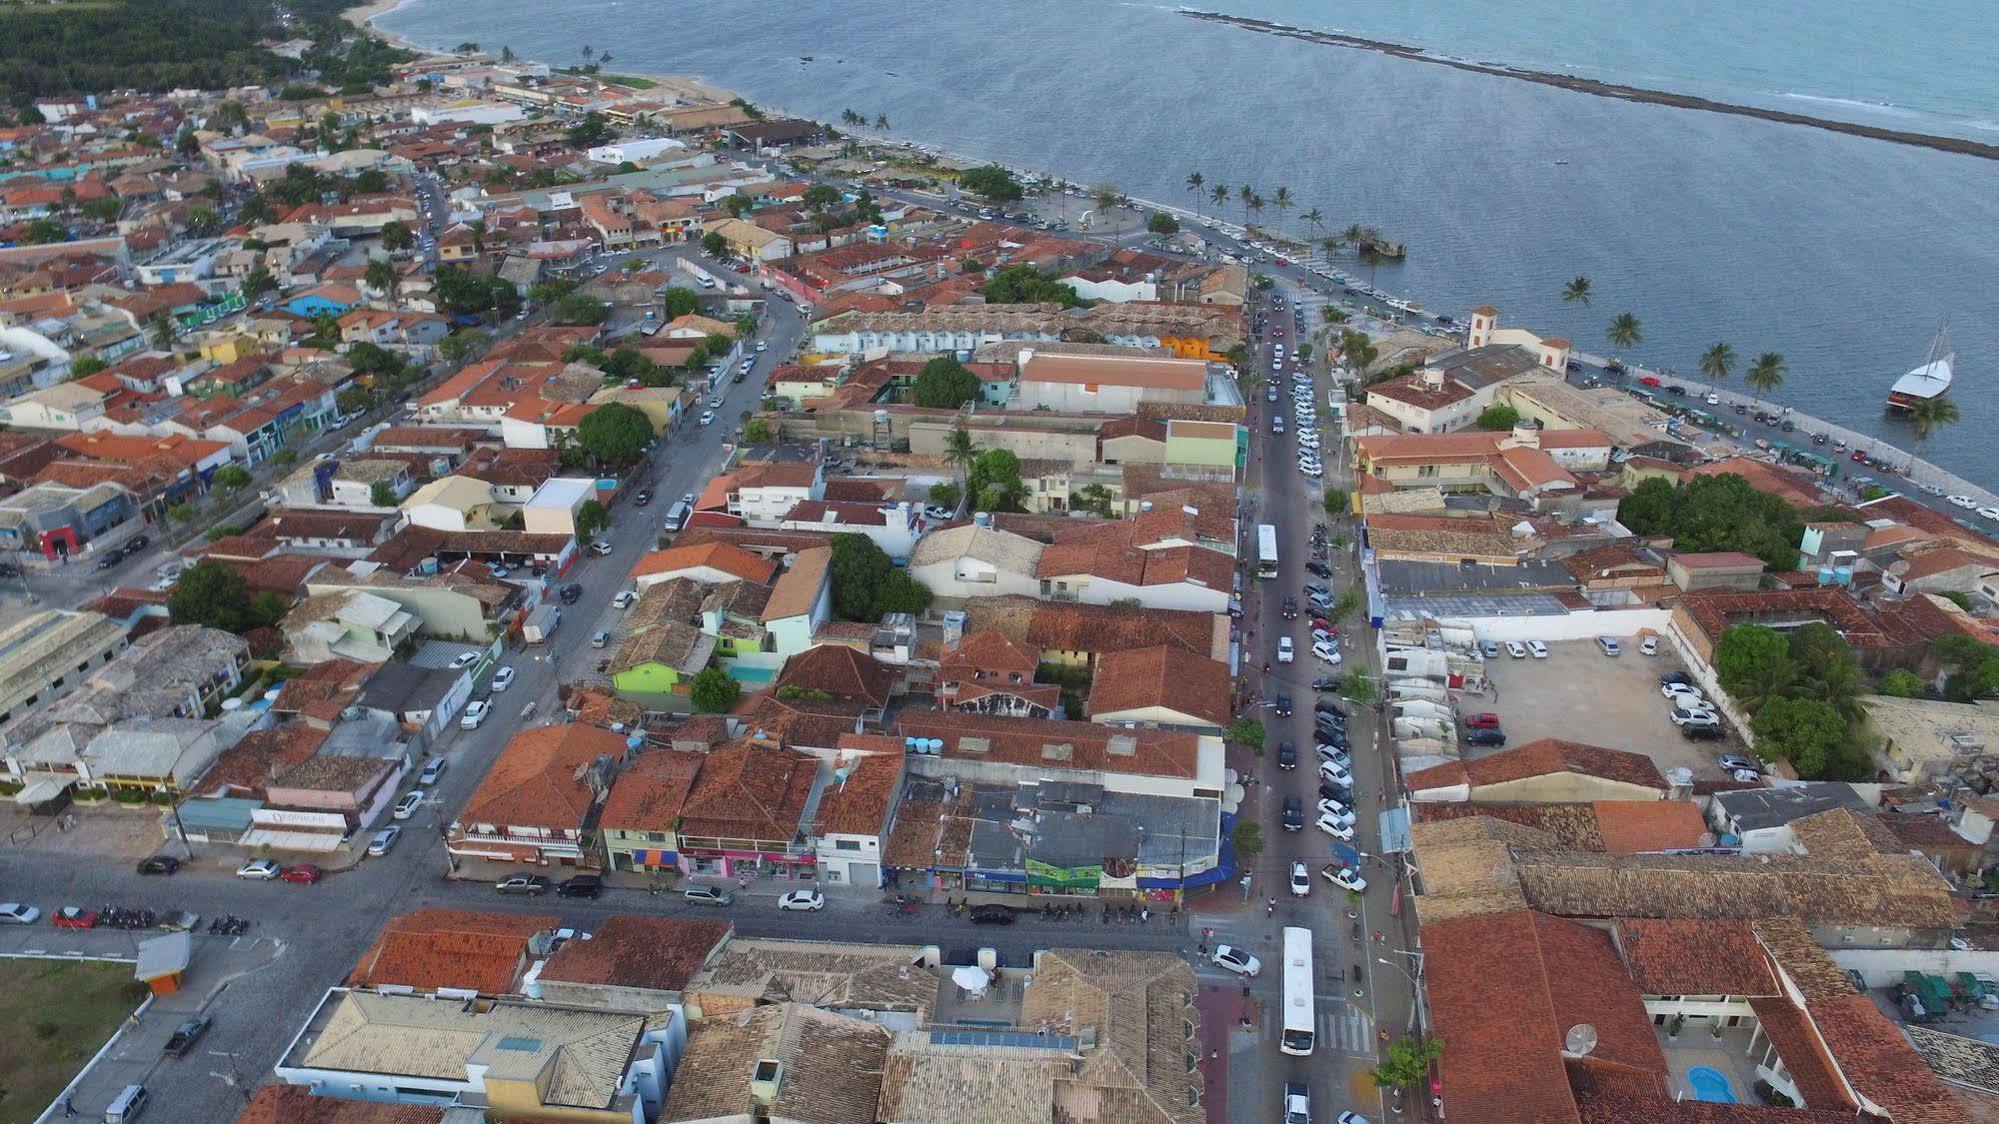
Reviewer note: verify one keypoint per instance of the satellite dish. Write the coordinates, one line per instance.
(1580, 1041)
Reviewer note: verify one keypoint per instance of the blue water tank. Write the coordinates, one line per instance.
(1825, 575)
(1843, 575)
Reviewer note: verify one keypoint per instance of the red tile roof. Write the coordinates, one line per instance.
(1880, 1063)
(296, 1104)
(1540, 758)
(1697, 957)
(1165, 677)
(749, 791)
(1634, 826)
(649, 792)
(839, 671)
(535, 781)
(1082, 746)
(860, 804)
(718, 556)
(450, 948)
(655, 953)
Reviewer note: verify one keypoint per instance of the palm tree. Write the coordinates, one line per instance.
(1716, 363)
(1316, 219)
(1256, 205)
(1218, 195)
(1107, 199)
(1625, 331)
(1194, 182)
(1765, 375)
(1763, 683)
(1840, 686)
(960, 452)
(1331, 243)
(1243, 194)
(881, 122)
(1353, 234)
(587, 52)
(163, 332)
(1576, 292)
(382, 277)
(1281, 199)
(1926, 417)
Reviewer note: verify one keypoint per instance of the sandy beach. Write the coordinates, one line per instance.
(684, 87)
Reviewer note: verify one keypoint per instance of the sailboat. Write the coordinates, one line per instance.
(1931, 379)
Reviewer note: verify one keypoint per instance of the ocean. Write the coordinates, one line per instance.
(1840, 253)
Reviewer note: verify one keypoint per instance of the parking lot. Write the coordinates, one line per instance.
(1581, 695)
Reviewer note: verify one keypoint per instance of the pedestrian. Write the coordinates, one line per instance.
(68, 1105)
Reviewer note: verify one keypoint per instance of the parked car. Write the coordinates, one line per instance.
(1490, 649)
(475, 714)
(600, 549)
(158, 864)
(185, 1036)
(433, 770)
(15, 913)
(1330, 708)
(810, 900)
(1325, 652)
(1704, 732)
(992, 915)
(405, 807)
(1694, 716)
(571, 593)
(1235, 960)
(1730, 762)
(1649, 646)
(1301, 880)
(1484, 720)
(304, 874)
(75, 917)
(383, 840)
(1537, 649)
(464, 659)
(1673, 677)
(533, 885)
(1608, 646)
(1332, 826)
(1345, 877)
(580, 886)
(1485, 736)
(1516, 650)
(706, 895)
(262, 870)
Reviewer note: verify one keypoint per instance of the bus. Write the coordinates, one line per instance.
(1300, 1005)
(1266, 550)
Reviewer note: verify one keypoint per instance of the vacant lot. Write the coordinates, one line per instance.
(57, 1014)
(1581, 695)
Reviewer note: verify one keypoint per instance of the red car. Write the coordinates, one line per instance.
(1484, 720)
(303, 872)
(1650, 380)
(75, 917)
(1325, 626)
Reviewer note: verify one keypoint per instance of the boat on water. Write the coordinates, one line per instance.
(1403, 305)
(1931, 379)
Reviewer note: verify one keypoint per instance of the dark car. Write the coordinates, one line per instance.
(1329, 707)
(1287, 755)
(1330, 791)
(137, 543)
(992, 915)
(159, 864)
(581, 886)
(111, 558)
(1485, 736)
(1283, 706)
(1294, 813)
(1703, 732)
(1672, 677)
(522, 884)
(570, 593)
(1319, 568)
(1290, 608)
(186, 1035)
(1328, 683)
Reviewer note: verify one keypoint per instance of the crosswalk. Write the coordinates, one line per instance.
(1341, 1027)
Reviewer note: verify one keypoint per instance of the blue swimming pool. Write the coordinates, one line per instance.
(1710, 1084)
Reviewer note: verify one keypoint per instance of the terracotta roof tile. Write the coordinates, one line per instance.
(1083, 746)
(656, 953)
(1165, 677)
(841, 672)
(649, 792)
(860, 804)
(1880, 1063)
(450, 948)
(749, 791)
(1695, 957)
(535, 781)
(296, 1104)
(1633, 826)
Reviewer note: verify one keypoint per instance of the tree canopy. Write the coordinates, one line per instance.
(680, 301)
(1021, 283)
(579, 309)
(1716, 513)
(866, 584)
(1496, 417)
(994, 481)
(614, 433)
(713, 690)
(992, 182)
(944, 383)
(213, 594)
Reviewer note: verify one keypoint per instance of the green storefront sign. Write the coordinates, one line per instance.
(1044, 876)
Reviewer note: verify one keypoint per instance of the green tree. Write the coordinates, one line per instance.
(1360, 689)
(1337, 502)
(229, 478)
(746, 326)
(579, 309)
(947, 495)
(680, 302)
(1748, 651)
(992, 183)
(960, 451)
(545, 293)
(1925, 418)
(758, 431)
(1162, 224)
(867, 584)
(994, 481)
(1357, 350)
(352, 399)
(257, 282)
(1408, 1063)
(1247, 731)
(1716, 513)
(944, 383)
(739, 204)
(591, 518)
(714, 245)
(396, 237)
(820, 196)
(614, 433)
(1973, 667)
(592, 131)
(107, 208)
(1195, 180)
(382, 494)
(1498, 418)
(1716, 363)
(460, 346)
(1248, 840)
(213, 594)
(1808, 733)
(382, 277)
(1765, 375)
(1021, 283)
(1576, 292)
(1901, 683)
(712, 690)
(1096, 498)
(87, 365)
(1625, 330)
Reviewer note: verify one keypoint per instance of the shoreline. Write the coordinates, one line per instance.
(1596, 88)
(364, 15)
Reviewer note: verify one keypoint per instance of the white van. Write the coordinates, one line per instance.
(677, 516)
(127, 1105)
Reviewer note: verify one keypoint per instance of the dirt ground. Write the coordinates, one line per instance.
(1581, 695)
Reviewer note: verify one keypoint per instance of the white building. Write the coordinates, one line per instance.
(974, 561)
(1106, 384)
(635, 151)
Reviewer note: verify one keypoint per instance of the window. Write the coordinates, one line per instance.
(847, 844)
(655, 836)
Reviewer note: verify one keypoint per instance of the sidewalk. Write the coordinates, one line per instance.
(1228, 1025)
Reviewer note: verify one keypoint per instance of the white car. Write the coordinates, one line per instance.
(1539, 650)
(464, 659)
(1345, 877)
(1683, 694)
(1301, 880)
(383, 840)
(1334, 773)
(1333, 827)
(1694, 716)
(1989, 512)
(14, 913)
(1237, 961)
(1649, 645)
(407, 806)
(802, 899)
(1338, 811)
(263, 870)
(1285, 651)
(763, 345)
(707, 417)
(503, 678)
(1965, 502)
(624, 599)
(1514, 649)
(474, 715)
(1326, 653)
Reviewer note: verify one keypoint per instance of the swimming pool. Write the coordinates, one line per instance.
(1710, 1084)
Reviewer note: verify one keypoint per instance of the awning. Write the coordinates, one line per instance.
(43, 789)
(310, 842)
(163, 956)
(972, 978)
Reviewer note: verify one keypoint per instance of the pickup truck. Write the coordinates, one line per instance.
(186, 1035)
